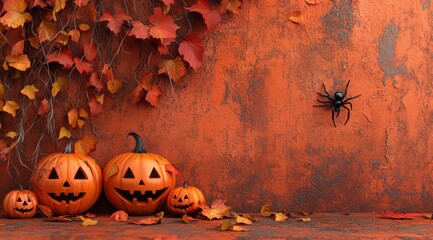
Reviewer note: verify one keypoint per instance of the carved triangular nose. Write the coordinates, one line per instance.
(25, 203)
(141, 182)
(66, 184)
(180, 200)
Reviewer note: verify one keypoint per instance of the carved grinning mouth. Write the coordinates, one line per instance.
(183, 206)
(140, 197)
(66, 197)
(23, 210)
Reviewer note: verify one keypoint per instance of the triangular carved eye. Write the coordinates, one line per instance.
(154, 174)
(53, 174)
(19, 199)
(129, 174)
(80, 174)
(186, 197)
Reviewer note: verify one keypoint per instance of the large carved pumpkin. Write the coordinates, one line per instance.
(69, 183)
(20, 204)
(185, 199)
(138, 182)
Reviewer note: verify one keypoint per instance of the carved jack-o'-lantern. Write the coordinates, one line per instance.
(185, 199)
(69, 183)
(20, 204)
(138, 182)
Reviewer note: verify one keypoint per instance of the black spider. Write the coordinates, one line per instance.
(337, 102)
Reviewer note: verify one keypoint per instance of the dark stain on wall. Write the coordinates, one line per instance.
(338, 23)
(387, 42)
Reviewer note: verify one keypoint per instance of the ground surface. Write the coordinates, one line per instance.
(321, 226)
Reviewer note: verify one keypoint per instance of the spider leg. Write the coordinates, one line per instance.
(325, 102)
(348, 99)
(338, 113)
(328, 97)
(324, 105)
(347, 87)
(324, 88)
(333, 120)
(344, 103)
(348, 114)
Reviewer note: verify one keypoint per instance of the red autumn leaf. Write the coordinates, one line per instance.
(153, 95)
(81, 3)
(18, 48)
(95, 81)
(83, 65)
(163, 25)
(90, 51)
(399, 216)
(211, 17)
(139, 30)
(75, 35)
(107, 71)
(64, 57)
(115, 22)
(137, 94)
(45, 210)
(192, 50)
(172, 168)
(44, 107)
(95, 106)
(40, 3)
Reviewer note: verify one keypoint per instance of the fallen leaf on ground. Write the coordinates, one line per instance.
(217, 210)
(148, 220)
(243, 220)
(90, 215)
(45, 210)
(280, 217)
(265, 211)
(119, 216)
(187, 219)
(303, 219)
(399, 216)
(58, 219)
(89, 222)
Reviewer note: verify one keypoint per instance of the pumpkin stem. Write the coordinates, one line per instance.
(139, 147)
(185, 184)
(68, 148)
(20, 187)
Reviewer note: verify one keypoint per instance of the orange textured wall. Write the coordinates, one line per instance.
(243, 128)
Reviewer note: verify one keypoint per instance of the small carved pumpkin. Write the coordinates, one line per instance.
(69, 183)
(20, 204)
(138, 182)
(185, 199)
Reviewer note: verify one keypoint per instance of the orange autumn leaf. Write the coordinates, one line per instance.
(46, 31)
(73, 117)
(230, 6)
(188, 219)
(81, 123)
(82, 113)
(85, 145)
(63, 57)
(114, 85)
(30, 91)
(83, 27)
(83, 66)
(58, 6)
(45, 210)
(34, 42)
(62, 38)
(11, 134)
(20, 62)
(172, 168)
(15, 13)
(95, 81)
(175, 69)
(280, 217)
(217, 210)
(139, 30)
(137, 94)
(43, 107)
(163, 26)
(295, 16)
(265, 211)
(2, 91)
(58, 85)
(75, 35)
(119, 216)
(191, 48)
(81, 3)
(11, 107)
(100, 98)
(212, 17)
(64, 132)
(115, 22)
(153, 95)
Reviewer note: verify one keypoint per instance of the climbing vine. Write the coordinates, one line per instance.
(56, 51)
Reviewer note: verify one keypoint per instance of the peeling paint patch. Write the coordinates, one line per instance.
(226, 94)
(338, 23)
(387, 42)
